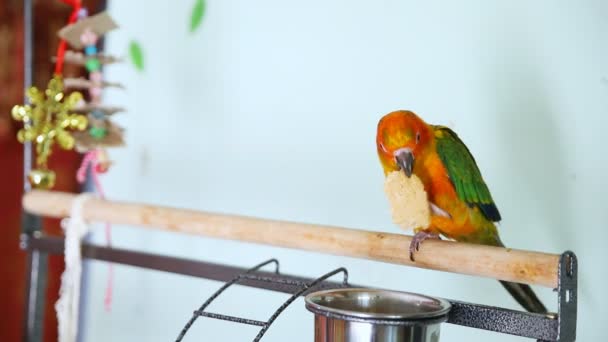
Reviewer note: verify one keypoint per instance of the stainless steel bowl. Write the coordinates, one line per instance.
(357, 314)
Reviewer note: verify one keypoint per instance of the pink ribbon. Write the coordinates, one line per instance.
(91, 158)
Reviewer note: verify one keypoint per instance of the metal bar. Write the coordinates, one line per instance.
(483, 317)
(199, 269)
(567, 297)
(36, 288)
(36, 261)
(280, 279)
(505, 321)
(28, 55)
(230, 318)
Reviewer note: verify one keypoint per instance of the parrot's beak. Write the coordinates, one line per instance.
(405, 160)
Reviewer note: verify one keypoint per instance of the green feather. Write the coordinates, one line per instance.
(137, 55)
(464, 173)
(196, 17)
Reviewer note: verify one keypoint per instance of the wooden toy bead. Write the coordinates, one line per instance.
(88, 37)
(90, 50)
(92, 64)
(95, 77)
(98, 114)
(98, 132)
(95, 92)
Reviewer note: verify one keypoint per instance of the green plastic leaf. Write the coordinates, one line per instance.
(196, 18)
(137, 55)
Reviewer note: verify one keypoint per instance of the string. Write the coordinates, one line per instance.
(91, 159)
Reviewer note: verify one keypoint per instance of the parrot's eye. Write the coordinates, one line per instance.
(417, 137)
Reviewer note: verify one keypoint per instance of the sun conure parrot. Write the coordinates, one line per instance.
(461, 205)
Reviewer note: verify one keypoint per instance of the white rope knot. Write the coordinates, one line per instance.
(69, 294)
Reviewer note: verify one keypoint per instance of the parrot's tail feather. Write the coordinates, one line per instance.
(524, 295)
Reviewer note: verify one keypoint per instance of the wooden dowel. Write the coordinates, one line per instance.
(499, 263)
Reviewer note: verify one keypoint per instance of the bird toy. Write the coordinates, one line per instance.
(48, 119)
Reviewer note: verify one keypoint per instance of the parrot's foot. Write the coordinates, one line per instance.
(417, 240)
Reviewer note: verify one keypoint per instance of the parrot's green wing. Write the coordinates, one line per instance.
(464, 173)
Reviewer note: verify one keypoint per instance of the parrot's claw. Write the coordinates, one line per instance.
(417, 240)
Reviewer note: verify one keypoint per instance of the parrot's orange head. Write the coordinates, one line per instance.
(401, 137)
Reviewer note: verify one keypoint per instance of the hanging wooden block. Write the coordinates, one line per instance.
(100, 24)
(99, 134)
(83, 83)
(79, 58)
(89, 107)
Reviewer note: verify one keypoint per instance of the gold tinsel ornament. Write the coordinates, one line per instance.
(48, 119)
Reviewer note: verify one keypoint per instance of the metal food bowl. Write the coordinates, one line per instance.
(362, 315)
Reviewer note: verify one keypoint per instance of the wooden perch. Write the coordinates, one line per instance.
(499, 263)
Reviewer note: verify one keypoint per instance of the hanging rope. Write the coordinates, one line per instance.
(69, 294)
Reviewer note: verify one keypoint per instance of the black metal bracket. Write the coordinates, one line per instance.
(553, 327)
(567, 297)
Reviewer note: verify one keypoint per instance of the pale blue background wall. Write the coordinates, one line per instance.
(270, 110)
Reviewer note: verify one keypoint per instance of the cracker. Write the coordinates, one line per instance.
(408, 200)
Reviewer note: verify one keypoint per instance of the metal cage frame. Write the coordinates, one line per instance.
(551, 327)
